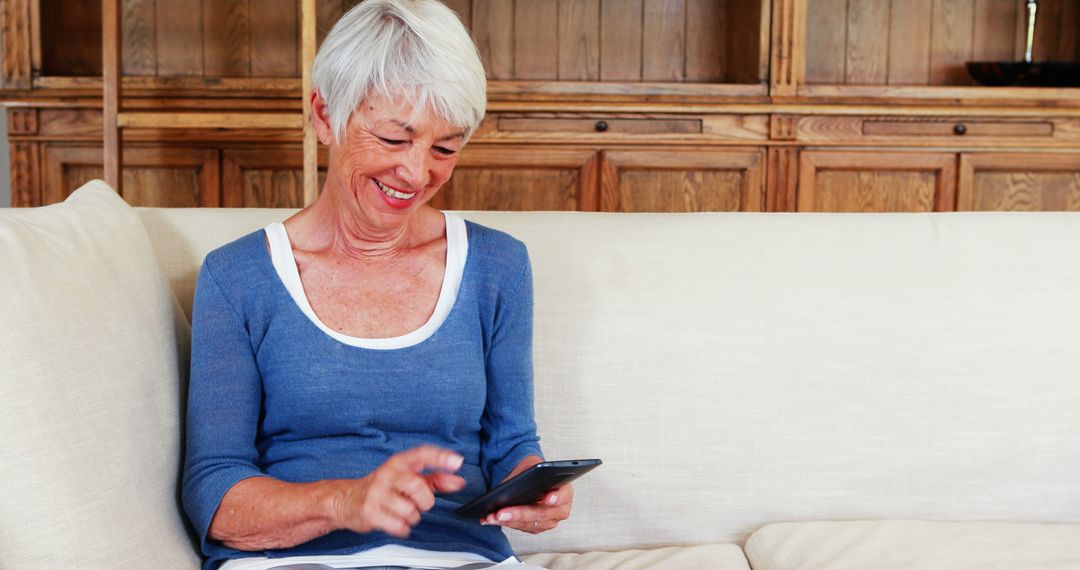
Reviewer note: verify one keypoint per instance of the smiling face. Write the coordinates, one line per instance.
(393, 159)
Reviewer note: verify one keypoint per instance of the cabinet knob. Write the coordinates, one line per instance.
(960, 129)
(601, 126)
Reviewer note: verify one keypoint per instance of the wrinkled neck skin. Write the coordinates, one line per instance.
(336, 225)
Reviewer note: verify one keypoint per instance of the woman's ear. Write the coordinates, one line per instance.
(320, 115)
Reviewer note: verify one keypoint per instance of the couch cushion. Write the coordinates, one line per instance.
(914, 545)
(92, 347)
(712, 556)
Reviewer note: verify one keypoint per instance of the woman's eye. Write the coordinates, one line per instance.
(444, 151)
(392, 142)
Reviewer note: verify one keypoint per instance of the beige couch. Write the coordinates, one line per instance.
(767, 391)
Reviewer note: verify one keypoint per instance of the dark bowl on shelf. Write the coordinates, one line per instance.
(1021, 74)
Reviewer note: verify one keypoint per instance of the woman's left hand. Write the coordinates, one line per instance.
(543, 515)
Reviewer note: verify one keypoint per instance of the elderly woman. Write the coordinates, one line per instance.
(364, 368)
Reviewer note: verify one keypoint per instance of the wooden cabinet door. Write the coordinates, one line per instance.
(676, 180)
(153, 176)
(1019, 182)
(266, 177)
(521, 178)
(848, 181)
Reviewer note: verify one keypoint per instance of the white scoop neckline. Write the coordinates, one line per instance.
(457, 247)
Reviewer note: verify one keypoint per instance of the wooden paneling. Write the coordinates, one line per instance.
(15, 43)
(783, 179)
(705, 48)
(535, 39)
(620, 40)
(845, 181)
(927, 42)
(909, 42)
(72, 32)
(666, 180)
(868, 42)
(139, 46)
(579, 40)
(152, 176)
(951, 41)
(266, 178)
(275, 39)
(664, 40)
(508, 178)
(25, 174)
(1019, 182)
(226, 38)
(179, 38)
(995, 26)
(748, 45)
(493, 32)
(826, 41)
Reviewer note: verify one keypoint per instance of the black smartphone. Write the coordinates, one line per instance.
(528, 486)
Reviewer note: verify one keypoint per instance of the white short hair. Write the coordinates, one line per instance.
(417, 49)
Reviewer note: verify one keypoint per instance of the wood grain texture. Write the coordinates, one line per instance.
(662, 180)
(663, 51)
(227, 38)
(72, 37)
(706, 45)
(139, 37)
(153, 175)
(995, 29)
(909, 42)
(1019, 182)
(579, 40)
(782, 179)
(785, 55)
(25, 174)
(849, 181)
(179, 38)
(493, 32)
(748, 45)
(275, 41)
(620, 40)
(111, 93)
(868, 42)
(952, 41)
(536, 47)
(271, 177)
(826, 41)
(22, 121)
(517, 178)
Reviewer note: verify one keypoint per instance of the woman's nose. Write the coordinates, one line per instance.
(414, 170)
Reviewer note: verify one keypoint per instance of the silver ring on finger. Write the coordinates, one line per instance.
(534, 525)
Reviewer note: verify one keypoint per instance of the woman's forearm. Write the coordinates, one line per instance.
(263, 513)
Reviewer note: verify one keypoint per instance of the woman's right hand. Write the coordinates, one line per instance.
(392, 498)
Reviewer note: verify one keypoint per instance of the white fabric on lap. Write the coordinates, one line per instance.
(92, 348)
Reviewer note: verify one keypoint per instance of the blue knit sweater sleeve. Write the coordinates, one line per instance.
(508, 424)
(223, 404)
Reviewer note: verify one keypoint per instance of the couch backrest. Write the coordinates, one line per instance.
(739, 369)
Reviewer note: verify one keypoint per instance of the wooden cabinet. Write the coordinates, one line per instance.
(154, 176)
(1019, 181)
(521, 178)
(849, 181)
(666, 180)
(610, 105)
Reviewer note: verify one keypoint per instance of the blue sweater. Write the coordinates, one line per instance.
(273, 395)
